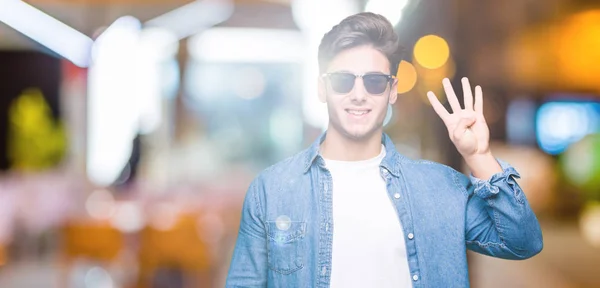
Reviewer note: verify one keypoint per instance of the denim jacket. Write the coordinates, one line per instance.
(286, 230)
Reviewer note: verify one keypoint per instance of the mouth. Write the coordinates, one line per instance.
(358, 112)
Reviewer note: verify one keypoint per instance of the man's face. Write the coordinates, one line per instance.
(358, 113)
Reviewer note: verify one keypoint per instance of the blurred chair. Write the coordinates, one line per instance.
(178, 249)
(97, 241)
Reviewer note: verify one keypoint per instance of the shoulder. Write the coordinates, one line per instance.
(282, 172)
(290, 166)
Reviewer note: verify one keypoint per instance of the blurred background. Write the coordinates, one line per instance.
(131, 129)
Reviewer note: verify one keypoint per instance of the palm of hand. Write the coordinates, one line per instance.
(467, 127)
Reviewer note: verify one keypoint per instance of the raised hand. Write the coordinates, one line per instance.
(467, 127)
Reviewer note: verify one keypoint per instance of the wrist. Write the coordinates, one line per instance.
(483, 165)
(479, 157)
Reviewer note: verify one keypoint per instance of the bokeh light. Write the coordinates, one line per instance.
(407, 77)
(578, 49)
(100, 204)
(589, 224)
(559, 124)
(98, 277)
(283, 222)
(164, 216)
(390, 9)
(581, 165)
(432, 51)
(128, 217)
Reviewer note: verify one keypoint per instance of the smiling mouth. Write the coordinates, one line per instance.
(357, 112)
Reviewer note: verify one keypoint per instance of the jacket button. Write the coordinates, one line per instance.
(415, 277)
(411, 236)
(397, 195)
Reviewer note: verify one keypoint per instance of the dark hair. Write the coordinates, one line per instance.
(360, 29)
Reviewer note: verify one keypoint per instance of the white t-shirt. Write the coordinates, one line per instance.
(368, 243)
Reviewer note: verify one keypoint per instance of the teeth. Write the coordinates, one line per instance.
(356, 112)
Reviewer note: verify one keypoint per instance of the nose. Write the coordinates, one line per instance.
(358, 94)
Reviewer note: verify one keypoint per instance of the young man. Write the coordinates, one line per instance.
(350, 211)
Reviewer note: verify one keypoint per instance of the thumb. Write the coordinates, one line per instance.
(462, 126)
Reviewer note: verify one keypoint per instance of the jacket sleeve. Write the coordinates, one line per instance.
(499, 220)
(248, 266)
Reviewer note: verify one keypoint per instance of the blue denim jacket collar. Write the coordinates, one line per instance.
(391, 161)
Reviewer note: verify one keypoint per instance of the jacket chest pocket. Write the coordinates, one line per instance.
(285, 246)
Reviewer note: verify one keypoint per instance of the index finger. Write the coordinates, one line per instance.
(437, 106)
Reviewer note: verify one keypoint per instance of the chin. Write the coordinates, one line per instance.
(355, 132)
(359, 134)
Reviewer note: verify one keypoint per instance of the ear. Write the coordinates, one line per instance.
(394, 91)
(322, 89)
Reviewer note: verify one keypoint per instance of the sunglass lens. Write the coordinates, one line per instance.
(342, 83)
(376, 84)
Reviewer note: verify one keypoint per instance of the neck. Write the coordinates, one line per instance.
(341, 148)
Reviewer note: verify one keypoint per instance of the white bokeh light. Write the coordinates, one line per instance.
(100, 204)
(390, 9)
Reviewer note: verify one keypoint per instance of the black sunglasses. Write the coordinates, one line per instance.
(343, 82)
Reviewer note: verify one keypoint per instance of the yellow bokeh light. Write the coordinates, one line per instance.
(578, 50)
(589, 223)
(407, 77)
(431, 51)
